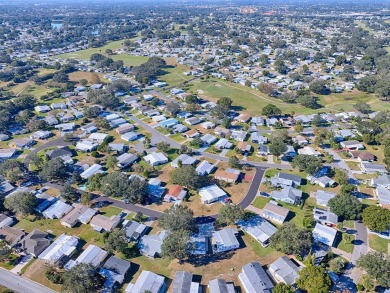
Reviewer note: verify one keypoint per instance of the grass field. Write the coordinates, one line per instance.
(341, 244)
(378, 243)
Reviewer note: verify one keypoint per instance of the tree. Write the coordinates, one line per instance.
(115, 241)
(314, 279)
(283, 288)
(234, 162)
(290, 239)
(163, 146)
(187, 176)
(196, 142)
(298, 127)
(54, 169)
(137, 191)
(191, 99)
(69, 193)
(348, 189)
(13, 170)
(377, 265)
(336, 265)
(81, 279)
(308, 163)
(95, 181)
(21, 202)
(318, 86)
(340, 176)
(86, 198)
(346, 206)
(363, 108)
(115, 184)
(376, 218)
(176, 245)
(226, 122)
(36, 160)
(178, 218)
(185, 149)
(308, 101)
(54, 276)
(173, 108)
(230, 214)
(271, 110)
(277, 147)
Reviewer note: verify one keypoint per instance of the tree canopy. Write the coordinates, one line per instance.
(81, 279)
(228, 214)
(377, 265)
(21, 202)
(376, 218)
(54, 169)
(13, 170)
(346, 206)
(178, 218)
(271, 110)
(187, 176)
(314, 279)
(310, 164)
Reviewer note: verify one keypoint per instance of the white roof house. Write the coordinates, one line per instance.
(284, 270)
(61, 249)
(42, 109)
(95, 168)
(324, 234)
(225, 240)
(86, 146)
(57, 210)
(212, 193)
(97, 137)
(259, 228)
(309, 151)
(254, 279)
(147, 282)
(126, 159)
(383, 196)
(93, 255)
(205, 168)
(130, 136)
(185, 160)
(155, 159)
(323, 197)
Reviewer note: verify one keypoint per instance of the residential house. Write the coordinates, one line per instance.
(57, 210)
(191, 133)
(80, 214)
(92, 255)
(11, 235)
(150, 245)
(61, 250)
(323, 197)
(192, 121)
(223, 143)
(102, 223)
(258, 121)
(94, 169)
(130, 136)
(382, 181)
(182, 283)
(21, 143)
(208, 139)
(185, 160)
(383, 195)
(124, 128)
(42, 109)
(6, 221)
(35, 242)
(239, 135)
(285, 179)
(221, 286)
(41, 134)
(323, 181)
(325, 217)
(114, 271)
(258, 138)
(147, 282)
(5, 187)
(60, 152)
(6, 154)
(171, 122)
(211, 194)
(179, 128)
(134, 230)
(362, 156)
(228, 175)
(243, 118)
(125, 160)
(155, 159)
(273, 212)
(222, 132)
(205, 168)
(284, 270)
(224, 240)
(288, 194)
(263, 150)
(352, 145)
(372, 168)
(300, 140)
(254, 279)
(86, 146)
(207, 125)
(259, 228)
(118, 148)
(176, 192)
(244, 147)
(324, 234)
(3, 137)
(309, 151)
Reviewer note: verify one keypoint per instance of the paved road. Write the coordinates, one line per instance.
(20, 284)
(253, 189)
(52, 143)
(361, 242)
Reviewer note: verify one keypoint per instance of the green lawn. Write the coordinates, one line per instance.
(263, 252)
(177, 137)
(341, 244)
(349, 224)
(261, 201)
(378, 243)
(110, 211)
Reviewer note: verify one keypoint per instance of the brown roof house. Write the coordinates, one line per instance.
(11, 235)
(176, 192)
(272, 211)
(35, 242)
(362, 156)
(228, 175)
(102, 223)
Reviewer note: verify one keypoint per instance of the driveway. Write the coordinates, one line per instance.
(20, 284)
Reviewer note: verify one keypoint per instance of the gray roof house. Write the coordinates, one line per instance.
(323, 197)
(183, 283)
(134, 230)
(221, 286)
(254, 279)
(324, 234)
(185, 160)
(284, 270)
(126, 159)
(92, 255)
(225, 240)
(5, 221)
(114, 271)
(150, 245)
(259, 228)
(382, 181)
(288, 179)
(208, 139)
(372, 168)
(272, 211)
(149, 282)
(35, 242)
(289, 195)
(383, 195)
(205, 168)
(57, 210)
(325, 217)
